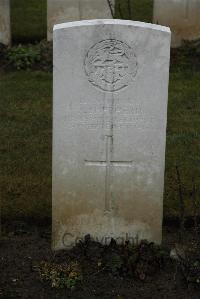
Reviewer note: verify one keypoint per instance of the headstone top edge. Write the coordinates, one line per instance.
(111, 22)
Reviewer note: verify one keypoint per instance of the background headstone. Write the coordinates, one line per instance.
(109, 130)
(182, 16)
(61, 11)
(5, 35)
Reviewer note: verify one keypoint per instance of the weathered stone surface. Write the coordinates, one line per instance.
(61, 11)
(5, 35)
(182, 16)
(109, 130)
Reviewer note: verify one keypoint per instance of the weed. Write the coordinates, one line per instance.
(23, 57)
(61, 275)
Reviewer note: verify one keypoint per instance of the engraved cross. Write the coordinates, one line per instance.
(108, 163)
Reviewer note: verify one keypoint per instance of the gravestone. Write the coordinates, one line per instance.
(5, 34)
(109, 130)
(182, 16)
(60, 11)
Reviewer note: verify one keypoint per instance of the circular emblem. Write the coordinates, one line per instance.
(110, 65)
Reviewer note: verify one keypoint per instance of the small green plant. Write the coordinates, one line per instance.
(23, 57)
(61, 275)
(135, 260)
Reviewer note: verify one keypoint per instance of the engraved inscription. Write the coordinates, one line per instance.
(111, 65)
(108, 164)
(123, 116)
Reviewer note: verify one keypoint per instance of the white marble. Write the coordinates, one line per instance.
(5, 34)
(182, 16)
(59, 11)
(109, 130)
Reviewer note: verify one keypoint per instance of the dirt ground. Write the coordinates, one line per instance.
(24, 247)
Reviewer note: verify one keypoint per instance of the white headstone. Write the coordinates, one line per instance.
(5, 34)
(182, 16)
(109, 130)
(60, 11)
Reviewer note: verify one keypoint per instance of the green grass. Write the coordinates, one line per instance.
(28, 20)
(183, 135)
(25, 153)
(25, 150)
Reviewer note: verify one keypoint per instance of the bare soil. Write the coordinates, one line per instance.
(24, 247)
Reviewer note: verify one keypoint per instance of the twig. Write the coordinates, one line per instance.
(111, 8)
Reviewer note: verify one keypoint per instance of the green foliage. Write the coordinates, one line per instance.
(23, 57)
(61, 275)
(144, 259)
(26, 57)
(139, 261)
